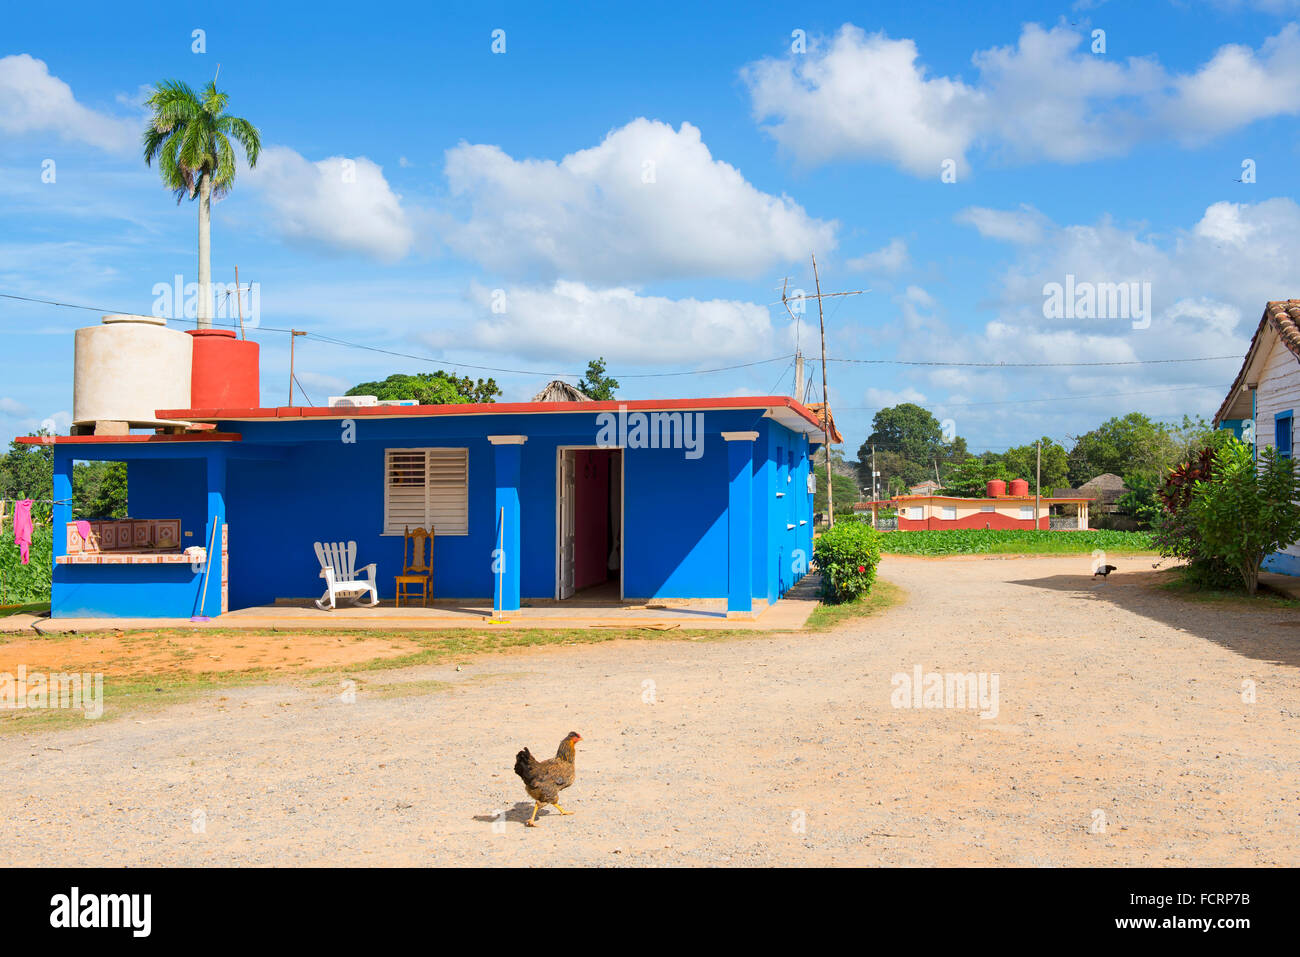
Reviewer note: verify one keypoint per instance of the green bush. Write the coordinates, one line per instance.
(847, 555)
(983, 541)
(21, 584)
(1246, 509)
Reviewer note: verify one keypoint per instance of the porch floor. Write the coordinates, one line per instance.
(581, 611)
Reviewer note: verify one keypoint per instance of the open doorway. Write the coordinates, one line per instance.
(589, 524)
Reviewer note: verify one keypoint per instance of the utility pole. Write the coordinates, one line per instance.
(826, 401)
(875, 492)
(1038, 482)
(821, 321)
(293, 338)
(798, 376)
(239, 298)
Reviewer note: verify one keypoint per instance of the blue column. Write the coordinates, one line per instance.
(506, 556)
(740, 523)
(62, 514)
(62, 499)
(209, 599)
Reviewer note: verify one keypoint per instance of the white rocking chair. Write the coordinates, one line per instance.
(338, 568)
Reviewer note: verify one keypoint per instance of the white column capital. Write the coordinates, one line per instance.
(739, 436)
(507, 439)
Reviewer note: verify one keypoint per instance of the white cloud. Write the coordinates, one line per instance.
(648, 202)
(875, 399)
(570, 320)
(1023, 225)
(339, 203)
(34, 101)
(1223, 222)
(57, 423)
(1048, 97)
(890, 258)
(864, 94)
(1208, 287)
(12, 407)
(1238, 86)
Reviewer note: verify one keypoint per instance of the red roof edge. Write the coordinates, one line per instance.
(127, 439)
(497, 408)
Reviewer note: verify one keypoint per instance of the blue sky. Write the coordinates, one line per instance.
(636, 183)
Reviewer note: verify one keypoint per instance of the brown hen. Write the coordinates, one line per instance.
(544, 780)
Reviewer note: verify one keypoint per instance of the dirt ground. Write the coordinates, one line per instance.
(195, 652)
(1121, 737)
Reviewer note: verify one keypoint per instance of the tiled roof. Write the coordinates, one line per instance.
(816, 409)
(1283, 315)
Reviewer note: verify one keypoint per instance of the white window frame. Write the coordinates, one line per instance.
(949, 513)
(446, 453)
(915, 513)
(1027, 511)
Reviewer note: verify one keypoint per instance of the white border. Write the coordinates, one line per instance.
(622, 509)
(383, 519)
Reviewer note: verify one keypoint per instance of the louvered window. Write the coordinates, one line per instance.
(426, 488)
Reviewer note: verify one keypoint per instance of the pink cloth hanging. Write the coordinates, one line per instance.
(23, 527)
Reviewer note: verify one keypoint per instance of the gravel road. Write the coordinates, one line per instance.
(1121, 737)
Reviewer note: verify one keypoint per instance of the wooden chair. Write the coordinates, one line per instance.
(338, 566)
(418, 572)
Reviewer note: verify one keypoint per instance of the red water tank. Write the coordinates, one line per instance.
(225, 372)
(1019, 487)
(997, 488)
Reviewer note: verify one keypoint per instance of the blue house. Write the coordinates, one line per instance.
(684, 498)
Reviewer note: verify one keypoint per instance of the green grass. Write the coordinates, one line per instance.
(133, 693)
(1178, 583)
(882, 595)
(977, 541)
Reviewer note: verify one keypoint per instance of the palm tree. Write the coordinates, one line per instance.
(190, 137)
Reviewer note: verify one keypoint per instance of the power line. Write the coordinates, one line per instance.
(321, 337)
(777, 384)
(1028, 365)
(1057, 398)
(333, 340)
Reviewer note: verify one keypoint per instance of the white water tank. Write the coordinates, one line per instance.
(129, 367)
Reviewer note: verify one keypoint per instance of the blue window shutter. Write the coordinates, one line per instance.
(1282, 433)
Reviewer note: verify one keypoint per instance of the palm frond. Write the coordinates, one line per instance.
(214, 101)
(172, 103)
(175, 177)
(189, 134)
(224, 177)
(245, 132)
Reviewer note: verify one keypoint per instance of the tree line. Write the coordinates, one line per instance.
(909, 447)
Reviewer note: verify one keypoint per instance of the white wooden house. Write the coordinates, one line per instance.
(1261, 404)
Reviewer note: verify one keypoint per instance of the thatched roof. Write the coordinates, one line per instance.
(1105, 482)
(558, 390)
(1107, 488)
